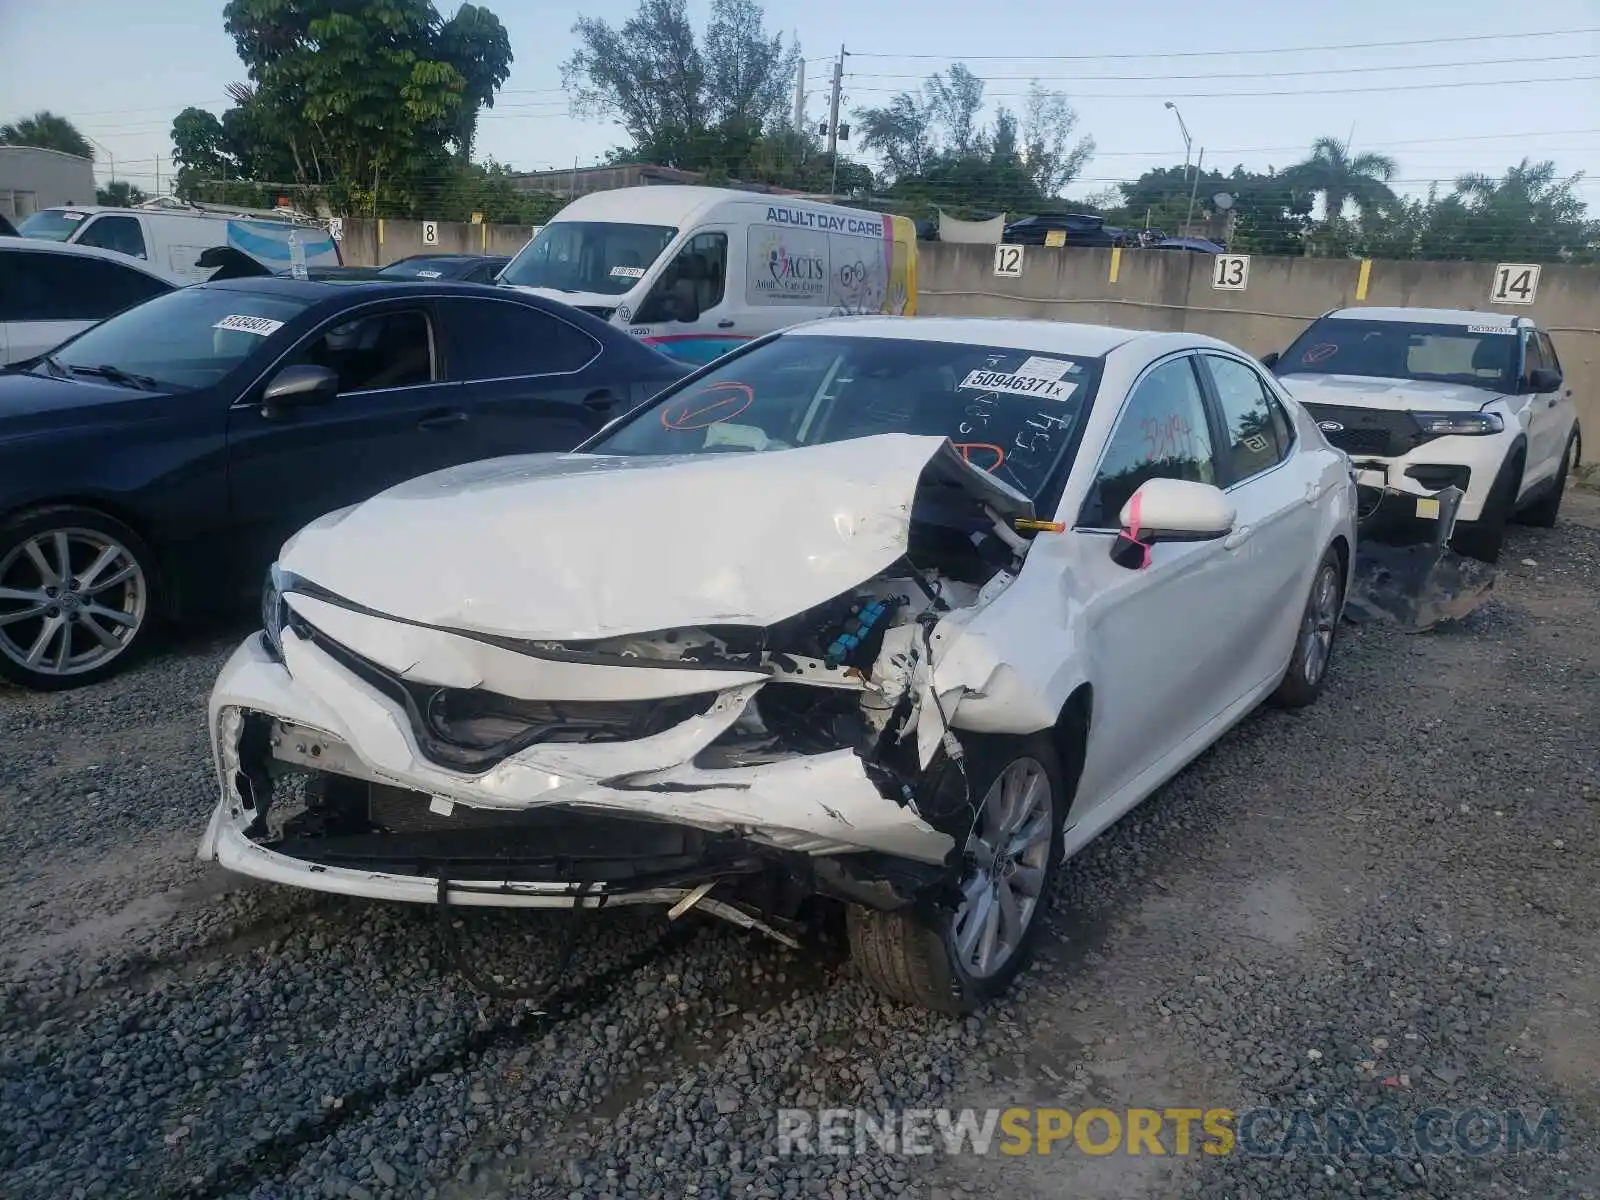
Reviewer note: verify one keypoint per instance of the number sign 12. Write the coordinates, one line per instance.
(1230, 272)
(1008, 262)
(1515, 283)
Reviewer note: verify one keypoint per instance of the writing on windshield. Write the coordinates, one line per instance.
(1011, 412)
(1473, 355)
(607, 257)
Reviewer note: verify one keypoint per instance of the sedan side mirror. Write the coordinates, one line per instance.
(1171, 510)
(1544, 379)
(1270, 359)
(297, 386)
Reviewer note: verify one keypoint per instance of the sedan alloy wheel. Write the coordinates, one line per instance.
(72, 600)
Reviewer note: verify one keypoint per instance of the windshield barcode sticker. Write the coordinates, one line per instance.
(71, 216)
(1017, 385)
(627, 272)
(260, 326)
(428, 274)
(1505, 330)
(1044, 368)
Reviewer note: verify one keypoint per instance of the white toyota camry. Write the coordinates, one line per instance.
(892, 612)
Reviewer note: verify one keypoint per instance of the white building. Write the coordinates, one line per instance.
(32, 178)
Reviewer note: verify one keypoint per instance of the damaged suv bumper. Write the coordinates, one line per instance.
(324, 786)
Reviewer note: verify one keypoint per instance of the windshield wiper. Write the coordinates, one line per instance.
(119, 376)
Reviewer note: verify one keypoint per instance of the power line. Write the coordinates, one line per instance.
(1483, 37)
(1397, 87)
(1484, 62)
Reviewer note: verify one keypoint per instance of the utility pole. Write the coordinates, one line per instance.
(800, 96)
(833, 122)
(158, 175)
(1188, 221)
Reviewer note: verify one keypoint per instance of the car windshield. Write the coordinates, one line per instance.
(1014, 413)
(607, 257)
(184, 340)
(55, 224)
(1474, 355)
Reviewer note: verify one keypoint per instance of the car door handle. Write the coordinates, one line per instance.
(724, 324)
(1237, 538)
(442, 420)
(600, 401)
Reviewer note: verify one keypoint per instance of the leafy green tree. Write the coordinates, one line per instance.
(700, 103)
(119, 193)
(47, 131)
(1529, 214)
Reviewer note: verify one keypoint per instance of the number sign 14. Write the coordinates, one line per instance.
(1230, 272)
(1008, 261)
(1515, 283)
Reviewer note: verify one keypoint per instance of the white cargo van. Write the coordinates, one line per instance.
(698, 270)
(173, 241)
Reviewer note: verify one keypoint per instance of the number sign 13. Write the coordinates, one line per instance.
(1515, 283)
(1008, 261)
(1230, 272)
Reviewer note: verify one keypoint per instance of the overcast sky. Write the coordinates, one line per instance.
(122, 72)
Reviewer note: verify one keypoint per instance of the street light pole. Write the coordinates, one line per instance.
(1186, 140)
(1188, 221)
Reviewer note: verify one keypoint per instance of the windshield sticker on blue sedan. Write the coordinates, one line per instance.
(1018, 385)
(1504, 330)
(429, 274)
(260, 326)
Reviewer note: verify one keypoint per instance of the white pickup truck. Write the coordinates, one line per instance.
(1425, 398)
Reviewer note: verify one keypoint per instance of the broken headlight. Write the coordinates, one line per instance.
(273, 614)
(1441, 424)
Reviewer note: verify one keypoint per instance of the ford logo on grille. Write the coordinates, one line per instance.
(1329, 426)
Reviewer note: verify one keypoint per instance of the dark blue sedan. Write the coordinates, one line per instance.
(153, 465)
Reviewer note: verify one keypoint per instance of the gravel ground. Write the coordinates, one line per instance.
(1389, 898)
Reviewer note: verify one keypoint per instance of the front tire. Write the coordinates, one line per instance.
(1314, 638)
(77, 591)
(1542, 515)
(954, 960)
(1483, 538)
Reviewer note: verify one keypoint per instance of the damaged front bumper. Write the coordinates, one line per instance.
(324, 785)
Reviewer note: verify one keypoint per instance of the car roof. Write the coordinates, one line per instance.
(1430, 316)
(74, 250)
(1047, 337)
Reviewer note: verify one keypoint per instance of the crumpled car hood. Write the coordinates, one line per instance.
(565, 547)
(1394, 395)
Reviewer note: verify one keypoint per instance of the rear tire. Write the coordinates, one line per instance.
(1483, 538)
(934, 958)
(1542, 515)
(1314, 636)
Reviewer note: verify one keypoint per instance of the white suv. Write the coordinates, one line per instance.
(1425, 398)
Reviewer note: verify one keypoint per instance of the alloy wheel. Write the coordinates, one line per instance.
(1009, 852)
(71, 600)
(1316, 629)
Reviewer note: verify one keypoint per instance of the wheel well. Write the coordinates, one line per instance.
(1070, 734)
(1342, 549)
(116, 512)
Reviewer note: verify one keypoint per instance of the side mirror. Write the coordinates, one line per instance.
(1544, 379)
(1171, 510)
(1270, 359)
(299, 385)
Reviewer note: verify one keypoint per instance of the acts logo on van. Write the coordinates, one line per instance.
(791, 275)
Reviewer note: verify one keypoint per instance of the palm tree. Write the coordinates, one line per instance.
(48, 131)
(1341, 180)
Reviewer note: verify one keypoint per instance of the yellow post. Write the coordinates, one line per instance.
(380, 233)
(485, 228)
(1116, 263)
(1361, 279)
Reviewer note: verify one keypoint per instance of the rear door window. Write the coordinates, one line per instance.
(1254, 440)
(501, 339)
(63, 287)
